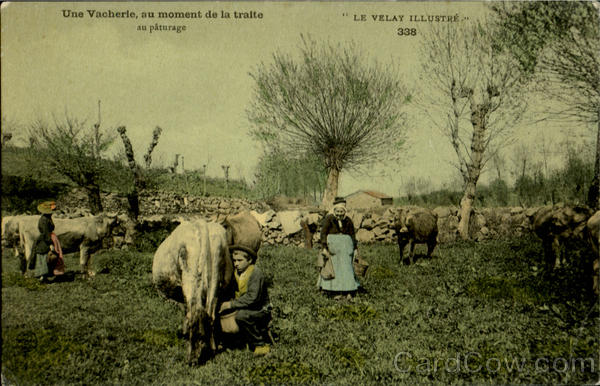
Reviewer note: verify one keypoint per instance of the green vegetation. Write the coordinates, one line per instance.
(192, 183)
(23, 187)
(486, 304)
(533, 187)
(279, 173)
(22, 190)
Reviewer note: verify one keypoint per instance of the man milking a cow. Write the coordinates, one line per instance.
(250, 308)
(211, 268)
(47, 258)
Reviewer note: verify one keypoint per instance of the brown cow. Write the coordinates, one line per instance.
(593, 234)
(415, 225)
(193, 266)
(555, 225)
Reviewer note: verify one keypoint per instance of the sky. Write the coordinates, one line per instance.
(60, 58)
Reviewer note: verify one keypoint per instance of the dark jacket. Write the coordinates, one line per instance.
(330, 226)
(256, 297)
(43, 242)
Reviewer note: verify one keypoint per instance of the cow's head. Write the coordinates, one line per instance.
(399, 221)
(571, 221)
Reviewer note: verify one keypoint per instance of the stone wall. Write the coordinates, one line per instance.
(167, 210)
(377, 225)
(160, 203)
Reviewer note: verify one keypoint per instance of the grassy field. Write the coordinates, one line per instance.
(475, 313)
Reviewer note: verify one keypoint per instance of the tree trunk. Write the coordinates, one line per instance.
(138, 181)
(330, 189)
(134, 205)
(478, 146)
(466, 208)
(594, 192)
(94, 200)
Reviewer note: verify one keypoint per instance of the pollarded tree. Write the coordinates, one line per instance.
(138, 179)
(332, 102)
(558, 44)
(473, 96)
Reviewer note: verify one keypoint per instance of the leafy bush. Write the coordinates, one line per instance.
(22, 194)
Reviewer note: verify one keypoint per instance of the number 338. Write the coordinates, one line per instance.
(407, 32)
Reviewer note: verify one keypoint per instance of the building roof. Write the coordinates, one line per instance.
(371, 193)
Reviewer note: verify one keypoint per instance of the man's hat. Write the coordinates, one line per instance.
(339, 200)
(47, 207)
(237, 247)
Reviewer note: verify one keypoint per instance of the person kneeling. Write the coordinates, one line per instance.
(251, 302)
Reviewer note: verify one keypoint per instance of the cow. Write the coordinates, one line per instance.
(557, 224)
(415, 225)
(593, 234)
(82, 234)
(193, 266)
(10, 233)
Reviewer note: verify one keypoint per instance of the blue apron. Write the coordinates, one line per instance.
(342, 251)
(41, 266)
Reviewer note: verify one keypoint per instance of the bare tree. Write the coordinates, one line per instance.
(558, 44)
(226, 172)
(499, 163)
(474, 98)
(148, 155)
(329, 101)
(74, 150)
(139, 180)
(521, 161)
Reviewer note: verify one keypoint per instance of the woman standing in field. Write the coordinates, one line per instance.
(338, 243)
(45, 243)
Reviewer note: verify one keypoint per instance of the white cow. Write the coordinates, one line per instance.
(10, 230)
(10, 235)
(82, 234)
(193, 265)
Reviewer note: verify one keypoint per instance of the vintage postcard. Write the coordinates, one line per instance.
(469, 128)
